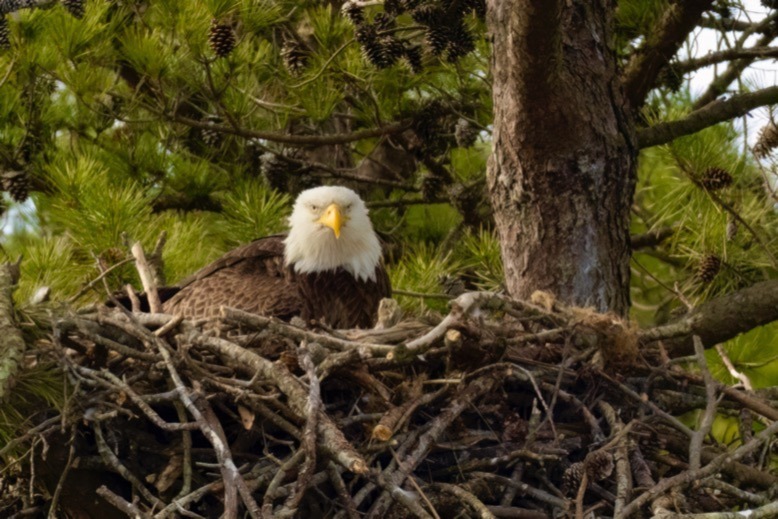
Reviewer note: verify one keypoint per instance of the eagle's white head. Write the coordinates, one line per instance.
(329, 228)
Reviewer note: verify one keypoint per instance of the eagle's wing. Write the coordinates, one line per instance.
(252, 278)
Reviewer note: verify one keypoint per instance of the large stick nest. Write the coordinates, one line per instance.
(501, 409)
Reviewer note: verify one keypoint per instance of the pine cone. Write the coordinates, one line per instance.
(353, 12)
(426, 124)
(427, 14)
(211, 138)
(671, 77)
(479, 6)
(295, 56)
(75, 7)
(453, 285)
(274, 170)
(221, 38)
(599, 465)
(432, 187)
(17, 183)
(395, 7)
(372, 49)
(460, 43)
(571, 478)
(383, 22)
(392, 49)
(768, 139)
(715, 179)
(5, 33)
(708, 268)
(414, 59)
(437, 38)
(465, 134)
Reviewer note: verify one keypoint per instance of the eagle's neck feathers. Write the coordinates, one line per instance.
(321, 253)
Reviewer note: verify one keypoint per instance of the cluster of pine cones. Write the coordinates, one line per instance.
(445, 29)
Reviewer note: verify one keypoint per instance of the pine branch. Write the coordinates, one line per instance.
(725, 55)
(11, 6)
(736, 68)
(720, 319)
(709, 115)
(288, 138)
(12, 345)
(731, 24)
(643, 68)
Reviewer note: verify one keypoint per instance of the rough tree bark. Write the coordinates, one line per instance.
(563, 169)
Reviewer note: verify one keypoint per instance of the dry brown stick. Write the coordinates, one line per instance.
(313, 409)
(63, 476)
(746, 399)
(711, 404)
(331, 438)
(370, 486)
(224, 456)
(653, 407)
(690, 476)
(499, 461)
(443, 421)
(283, 471)
(113, 461)
(402, 496)
(340, 488)
(767, 511)
(742, 495)
(524, 489)
(467, 497)
(261, 322)
(623, 469)
(113, 345)
(579, 496)
(230, 473)
(509, 494)
(393, 420)
(742, 377)
(133, 296)
(147, 278)
(460, 309)
(129, 509)
(186, 445)
(514, 512)
(120, 386)
(590, 419)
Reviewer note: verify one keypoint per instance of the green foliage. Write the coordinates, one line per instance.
(253, 211)
(481, 253)
(34, 389)
(420, 270)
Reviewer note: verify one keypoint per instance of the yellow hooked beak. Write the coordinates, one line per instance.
(333, 218)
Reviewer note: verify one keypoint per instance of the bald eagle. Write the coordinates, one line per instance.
(327, 268)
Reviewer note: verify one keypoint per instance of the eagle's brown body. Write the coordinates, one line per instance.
(254, 278)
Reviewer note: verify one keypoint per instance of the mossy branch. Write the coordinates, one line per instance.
(12, 345)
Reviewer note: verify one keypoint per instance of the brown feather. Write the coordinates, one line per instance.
(253, 278)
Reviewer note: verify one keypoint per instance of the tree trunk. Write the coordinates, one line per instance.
(562, 174)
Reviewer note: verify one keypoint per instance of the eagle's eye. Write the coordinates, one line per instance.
(314, 208)
(347, 207)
